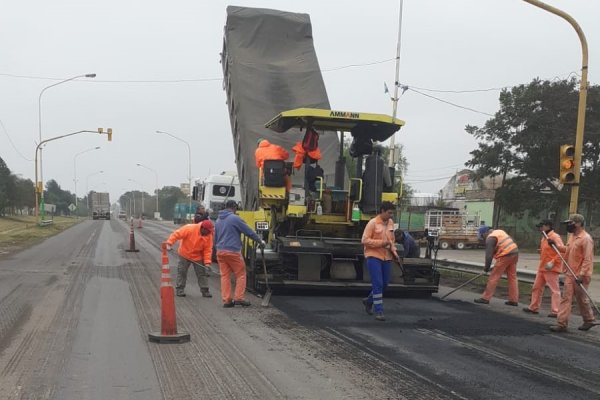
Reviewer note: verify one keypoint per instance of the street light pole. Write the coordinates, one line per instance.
(75, 170)
(189, 166)
(133, 180)
(156, 182)
(38, 185)
(582, 97)
(40, 133)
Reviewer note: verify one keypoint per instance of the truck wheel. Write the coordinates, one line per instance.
(444, 245)
(460, 245)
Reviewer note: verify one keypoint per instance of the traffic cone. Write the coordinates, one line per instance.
(140, 223)
(168, 321)
(132, 248)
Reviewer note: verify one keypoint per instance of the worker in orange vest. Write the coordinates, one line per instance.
(269, 151)
(195, 248)
(301, 153)
(501, 247)
(549, 268)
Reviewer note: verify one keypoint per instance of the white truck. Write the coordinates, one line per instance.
(452, 228)
(215, 190)
(100, 205)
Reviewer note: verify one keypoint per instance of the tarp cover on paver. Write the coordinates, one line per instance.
(269, 66)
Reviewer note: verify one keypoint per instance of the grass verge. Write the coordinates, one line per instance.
(17, 233)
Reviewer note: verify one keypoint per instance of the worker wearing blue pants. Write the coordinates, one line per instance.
(379, 250)
(379, 271)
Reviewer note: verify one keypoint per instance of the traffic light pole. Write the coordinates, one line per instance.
(582, 97)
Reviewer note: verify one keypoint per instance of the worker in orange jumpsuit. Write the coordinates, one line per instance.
(579, 254)
(269, 151)
(548, 269)
(195, 248)
(501, 247)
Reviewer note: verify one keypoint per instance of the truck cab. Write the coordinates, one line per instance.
(215, 190)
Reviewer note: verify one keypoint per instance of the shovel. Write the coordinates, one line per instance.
(462, 285)
(268, 293)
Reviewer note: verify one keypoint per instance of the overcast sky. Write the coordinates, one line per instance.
(157, 66)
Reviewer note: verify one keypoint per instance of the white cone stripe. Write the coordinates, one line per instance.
(378, 302)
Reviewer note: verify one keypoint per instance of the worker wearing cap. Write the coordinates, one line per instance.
(228, 241)
(502, 248)
(549, 268)
(579, 254)
(195, 248)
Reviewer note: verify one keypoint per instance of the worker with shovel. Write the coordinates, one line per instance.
(195, 248)
(501, 247)
(579, 256)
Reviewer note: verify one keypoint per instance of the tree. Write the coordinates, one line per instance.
(6, 186)
(521, 143)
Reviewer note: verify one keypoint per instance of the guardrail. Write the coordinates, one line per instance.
(523, 275)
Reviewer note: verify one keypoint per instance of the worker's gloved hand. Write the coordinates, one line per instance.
(551, 242)
(169, 247)
(579, 280)
(549, 266)
(262, 244)
(487, 268)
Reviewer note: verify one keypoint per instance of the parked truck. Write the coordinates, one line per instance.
(453, 229)
(183, 212)
(215, 190)
(100, 205)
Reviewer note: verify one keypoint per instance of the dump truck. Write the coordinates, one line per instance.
(312, 218)
(100, 205)
(215, 190)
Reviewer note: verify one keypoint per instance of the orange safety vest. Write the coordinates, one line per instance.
(301, 153)
(504, 243)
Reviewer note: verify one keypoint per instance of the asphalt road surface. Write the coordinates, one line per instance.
(75, 311)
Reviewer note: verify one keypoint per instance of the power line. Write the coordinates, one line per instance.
(450, 103)
(11, 142)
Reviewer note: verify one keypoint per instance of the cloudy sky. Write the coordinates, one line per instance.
(157, 66)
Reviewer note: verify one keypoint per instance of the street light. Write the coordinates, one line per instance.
(128, 200)
(87, 191)
(583, 87)
(156, 181)
(39, 187)
(40, 122)
(133, 180)
(75, 169)
(189, 165)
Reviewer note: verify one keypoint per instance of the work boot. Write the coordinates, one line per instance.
(558, 328)
(243, 303)
(205, 292)
(379, 316)
(481, 301)
(552, 315)
(586, 326)
(180, 293)
(228, 304)
(368, 306)
(529, 311)
(511, 303)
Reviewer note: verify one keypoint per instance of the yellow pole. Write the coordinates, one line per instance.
(582, 97)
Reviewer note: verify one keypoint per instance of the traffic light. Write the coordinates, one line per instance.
(109, 133)
(567, 164)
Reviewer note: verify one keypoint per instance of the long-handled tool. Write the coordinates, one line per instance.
(462, 285)
(573, 273)
(268, 293)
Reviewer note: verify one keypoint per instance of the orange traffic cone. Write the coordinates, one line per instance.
(140, 223)
(168, 321)
(132, 248)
